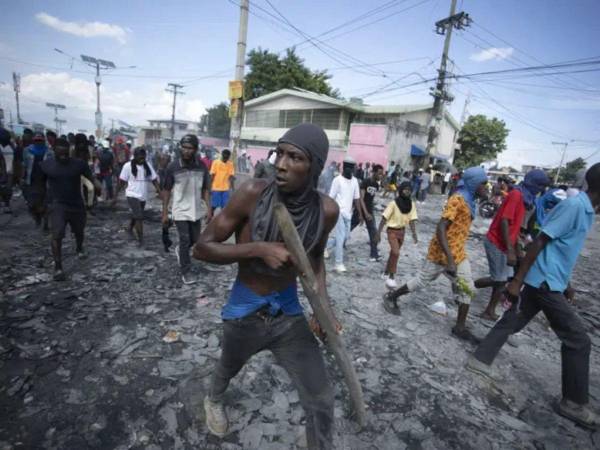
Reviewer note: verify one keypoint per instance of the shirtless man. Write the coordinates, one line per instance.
(263, 311)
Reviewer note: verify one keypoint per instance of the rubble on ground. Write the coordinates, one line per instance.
(119, 356)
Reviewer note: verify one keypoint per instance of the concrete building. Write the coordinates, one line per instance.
(368, 133)
(158, 132)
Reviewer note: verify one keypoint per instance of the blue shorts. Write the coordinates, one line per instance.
(497, 261)
(219, 199)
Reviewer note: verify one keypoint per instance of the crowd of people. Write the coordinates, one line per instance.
(531, 246)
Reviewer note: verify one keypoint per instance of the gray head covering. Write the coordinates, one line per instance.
(305, 206)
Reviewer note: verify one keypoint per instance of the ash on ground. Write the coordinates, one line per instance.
(120, 355)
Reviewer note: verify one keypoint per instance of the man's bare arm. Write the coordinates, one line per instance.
(166, 198)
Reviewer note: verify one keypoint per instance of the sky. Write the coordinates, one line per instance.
(370, 53)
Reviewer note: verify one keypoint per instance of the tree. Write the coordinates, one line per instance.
(269, 73)
(216, 121)
(568, 173)
(480, 139)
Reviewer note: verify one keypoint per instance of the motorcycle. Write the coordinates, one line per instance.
(489, 207)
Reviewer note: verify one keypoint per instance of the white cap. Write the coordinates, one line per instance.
(349, 160)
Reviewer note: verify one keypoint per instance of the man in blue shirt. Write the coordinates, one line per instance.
(542, 284)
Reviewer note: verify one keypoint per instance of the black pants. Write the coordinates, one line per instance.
(444, 187)
(576, 344)
(372, 229)
(296, 350)
(188, 235)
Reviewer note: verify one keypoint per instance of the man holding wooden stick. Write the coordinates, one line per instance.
(263, 311)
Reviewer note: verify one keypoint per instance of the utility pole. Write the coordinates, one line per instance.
(237, 95)
(445, 26)
(562, 158)
(465, 111)
(97, 64)
(175, 92)
(57, 121)
(17, 89)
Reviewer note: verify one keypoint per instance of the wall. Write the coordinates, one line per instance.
(336, 137)
(446, 141)
(257, 153)
(368, 143)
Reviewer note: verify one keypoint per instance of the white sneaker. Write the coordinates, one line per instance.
(326, 254)
(216, 417)
(340, 268)
(390, 283)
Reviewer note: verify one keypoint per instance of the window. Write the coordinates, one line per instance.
(295, 117)
(371, 119)
(328, 119)
(263, 118)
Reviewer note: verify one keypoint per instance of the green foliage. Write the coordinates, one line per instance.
(217, 121)
(481, 139)
(569, 171)
(269, 73)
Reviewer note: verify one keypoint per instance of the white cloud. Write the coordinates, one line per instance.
(493, 53)
(146, 101)
(84, 29)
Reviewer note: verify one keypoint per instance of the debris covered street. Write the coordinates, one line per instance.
(119, 355)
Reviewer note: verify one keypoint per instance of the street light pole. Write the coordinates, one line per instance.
(97, 64)
(57, 121)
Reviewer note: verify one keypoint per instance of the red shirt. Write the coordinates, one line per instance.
(513, 209)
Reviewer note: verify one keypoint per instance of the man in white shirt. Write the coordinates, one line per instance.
(138, 174)
(346, 193)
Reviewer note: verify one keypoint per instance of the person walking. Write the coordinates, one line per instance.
(222, 175)
(397, 215)
(187, 184)
(542, 283)
(346, 193)
(368, 189)
(137, 174)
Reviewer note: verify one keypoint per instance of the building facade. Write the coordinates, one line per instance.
(377, 134)
(158, 132)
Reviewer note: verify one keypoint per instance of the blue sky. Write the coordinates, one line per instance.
(187, 41)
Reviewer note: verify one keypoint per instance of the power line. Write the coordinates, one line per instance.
(519, 49)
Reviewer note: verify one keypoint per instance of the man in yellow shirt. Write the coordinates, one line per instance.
(222, 177)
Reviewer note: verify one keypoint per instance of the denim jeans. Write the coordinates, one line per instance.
(296, 350)
(342, 232)
(576, 345)
(188, 235)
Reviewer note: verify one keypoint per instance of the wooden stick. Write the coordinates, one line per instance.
(321, 309)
